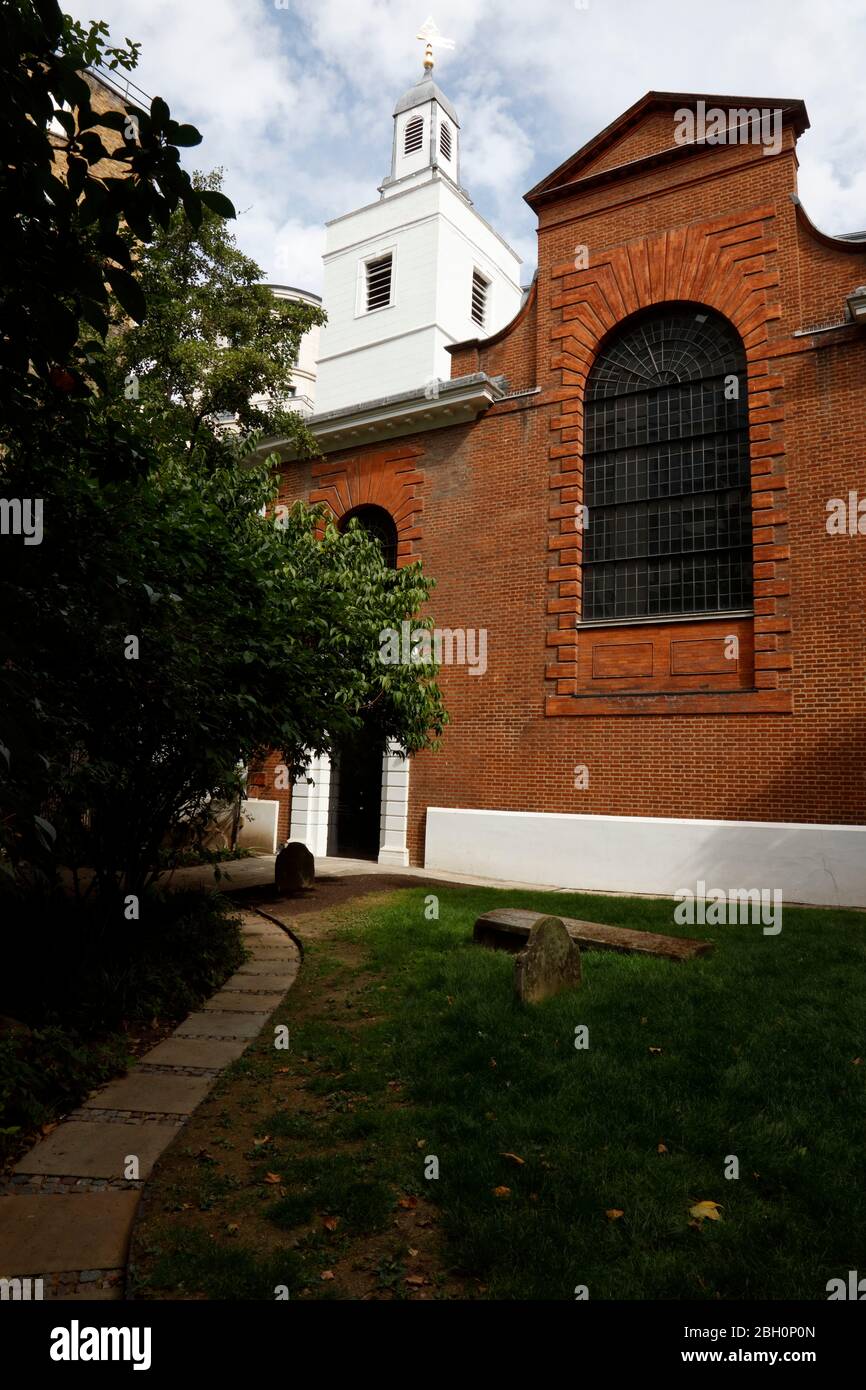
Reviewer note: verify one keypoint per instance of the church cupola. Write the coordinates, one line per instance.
(426, 136)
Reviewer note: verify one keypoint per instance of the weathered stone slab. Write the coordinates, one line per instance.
(96, 1296)
(294, 869)
(196, 1052)
(211, 1024)
(508, 928)
(50, 1235)
(96, 1149)
(244, 1002)
(549, 965)
(171, 1095)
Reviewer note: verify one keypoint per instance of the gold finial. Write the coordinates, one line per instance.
(431, 38)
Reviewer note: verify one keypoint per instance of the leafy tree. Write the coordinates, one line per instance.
(164, 632)
(63, 258)
(215, 342)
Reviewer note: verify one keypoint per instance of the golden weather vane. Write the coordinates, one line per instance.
(431, 38)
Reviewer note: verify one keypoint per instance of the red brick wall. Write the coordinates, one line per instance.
(785, 740)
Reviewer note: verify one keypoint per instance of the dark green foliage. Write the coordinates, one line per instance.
(163, 633)
(73, 984)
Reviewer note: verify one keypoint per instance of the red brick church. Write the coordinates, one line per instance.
(638, 486)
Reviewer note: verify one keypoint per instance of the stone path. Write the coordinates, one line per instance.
(67, 1211)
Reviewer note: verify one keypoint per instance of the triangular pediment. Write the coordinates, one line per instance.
(648, 131)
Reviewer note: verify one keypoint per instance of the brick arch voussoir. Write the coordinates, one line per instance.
(388, 479)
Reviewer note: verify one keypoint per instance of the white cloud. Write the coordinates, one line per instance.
(296, 103)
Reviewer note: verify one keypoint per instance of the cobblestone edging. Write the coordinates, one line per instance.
(67, 1211)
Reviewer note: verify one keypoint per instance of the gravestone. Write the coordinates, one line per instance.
(549, 964)
(295, 869)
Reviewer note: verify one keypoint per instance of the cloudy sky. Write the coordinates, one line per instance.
(294, 97)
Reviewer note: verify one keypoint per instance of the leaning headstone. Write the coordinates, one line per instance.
(549, 964)
(295, 868)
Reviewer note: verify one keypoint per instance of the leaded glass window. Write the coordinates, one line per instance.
(666, 470)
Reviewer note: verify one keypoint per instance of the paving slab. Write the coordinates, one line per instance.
(170, 1095)
(196, 1052)
(97, 1296)
(244, 1003)
(260, 966)
(51, 1235)
(221, 1025)
(96, 1149)
(267, 980)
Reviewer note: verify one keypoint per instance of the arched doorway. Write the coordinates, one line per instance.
(355, 819)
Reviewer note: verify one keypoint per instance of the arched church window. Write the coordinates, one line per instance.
(668, 527)
(380, 525)
(414, 135)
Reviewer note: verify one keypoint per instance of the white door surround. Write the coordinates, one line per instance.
(314, 806)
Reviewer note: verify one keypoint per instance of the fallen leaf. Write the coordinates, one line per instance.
(857, 1062)
(515, 1158)
(416, 1280)
(258, 1143)
(493, 1061)
(233, 1228)
(413, 1253)
(331, 1223)
(662, 1148)
(706, 1211)
(655, 1051)
(408, 1202)
(502, 1191)
(272, 1178)
(326, 1274)
(614, 1214)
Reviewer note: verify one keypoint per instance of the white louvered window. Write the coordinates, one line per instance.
(379, 282)
(414, 135)
(445, 140)
(480, 286)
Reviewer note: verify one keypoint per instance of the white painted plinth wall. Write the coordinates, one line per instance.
(258, 826)
(818, 864)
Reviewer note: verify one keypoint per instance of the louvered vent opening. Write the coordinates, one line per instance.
(414, 135)
(480, 287)
(379, 282)
(445, 140)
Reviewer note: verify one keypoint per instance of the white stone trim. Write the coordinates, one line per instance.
(395, 808)
(310, 806)
(817, 864)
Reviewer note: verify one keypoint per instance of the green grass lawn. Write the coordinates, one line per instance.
(752, 1052)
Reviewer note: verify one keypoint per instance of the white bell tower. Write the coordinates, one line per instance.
(415, 271)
